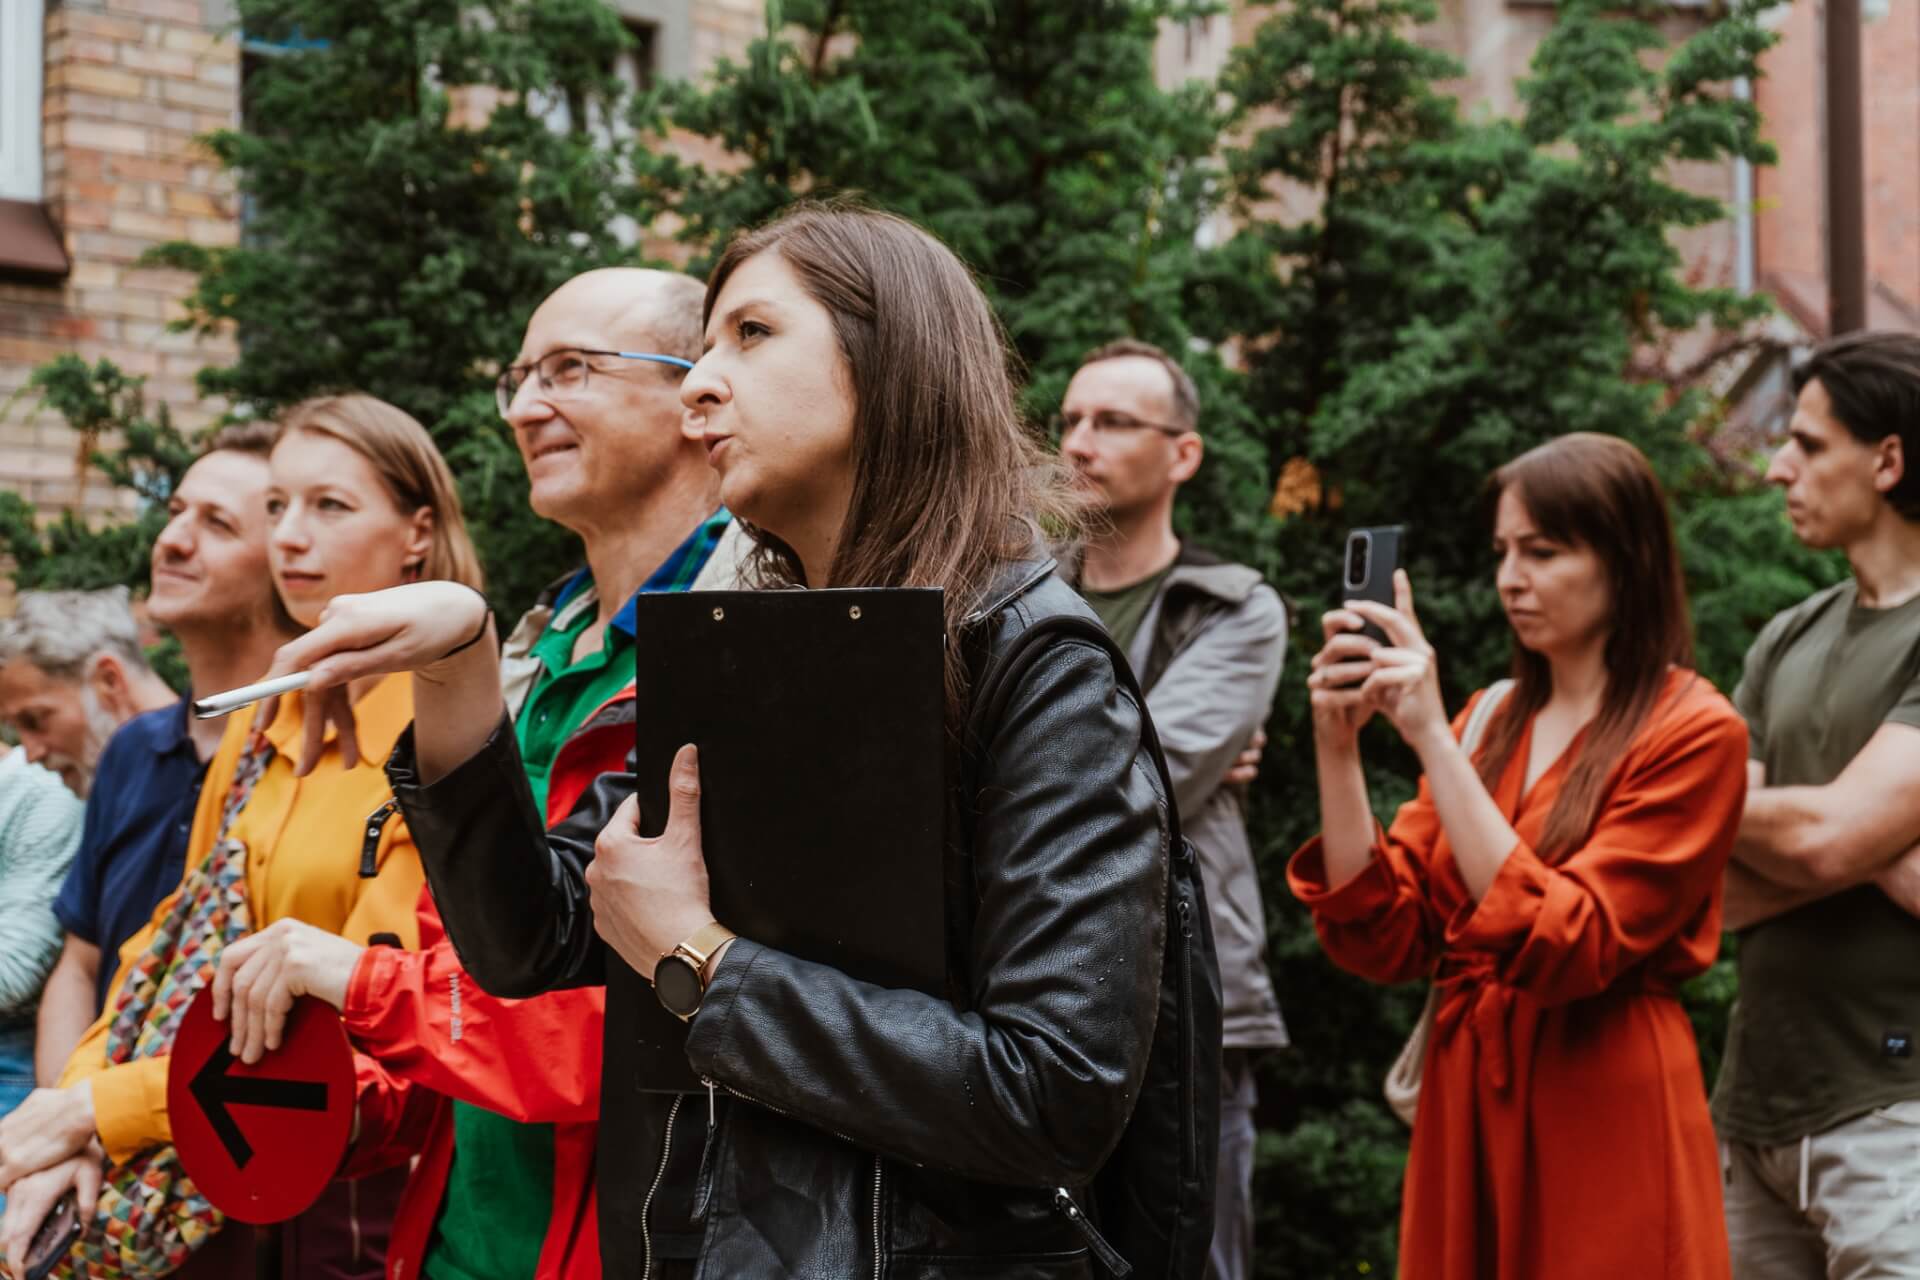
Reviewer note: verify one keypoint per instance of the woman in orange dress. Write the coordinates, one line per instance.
(1557, 887)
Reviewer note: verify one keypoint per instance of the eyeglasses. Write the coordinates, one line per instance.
(1107, 422)
(564, 372)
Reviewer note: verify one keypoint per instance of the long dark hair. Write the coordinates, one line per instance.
(948, 485)
(1598, 492)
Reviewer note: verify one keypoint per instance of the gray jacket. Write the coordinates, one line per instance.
(1208, 654)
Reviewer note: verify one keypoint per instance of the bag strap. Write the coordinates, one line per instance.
(1476, 726)
(997, 685)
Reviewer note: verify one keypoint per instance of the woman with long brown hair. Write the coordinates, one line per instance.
(1557, 879)
(855, 398)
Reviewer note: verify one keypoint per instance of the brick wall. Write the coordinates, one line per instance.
(129, 84)
(723, 29)
(1790, 222)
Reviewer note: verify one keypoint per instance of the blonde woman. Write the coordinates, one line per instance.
(359, 500)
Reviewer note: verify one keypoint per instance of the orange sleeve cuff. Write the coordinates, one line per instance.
(130, 1108)
(1510, 909)
(1363, 896)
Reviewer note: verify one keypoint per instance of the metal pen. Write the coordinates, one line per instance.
(220, 704)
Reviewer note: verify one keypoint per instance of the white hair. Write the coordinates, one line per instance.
(62, 632)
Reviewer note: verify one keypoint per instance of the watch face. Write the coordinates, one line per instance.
(677, 983)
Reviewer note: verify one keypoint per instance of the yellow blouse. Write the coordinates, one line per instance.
(303, 838)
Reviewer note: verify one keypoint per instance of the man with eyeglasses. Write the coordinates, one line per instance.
(500, 1099)
(1206, 639)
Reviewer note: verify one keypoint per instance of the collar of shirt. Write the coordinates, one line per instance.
(169, 733)
(676, 573)
(378, 719)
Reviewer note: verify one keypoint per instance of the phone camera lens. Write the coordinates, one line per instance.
(1357, 562)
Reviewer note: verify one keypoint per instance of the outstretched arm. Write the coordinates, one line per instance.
(440, 631)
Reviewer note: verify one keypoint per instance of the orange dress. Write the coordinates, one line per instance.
(1563, 1127)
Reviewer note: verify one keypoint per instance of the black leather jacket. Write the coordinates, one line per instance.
(892, 1133)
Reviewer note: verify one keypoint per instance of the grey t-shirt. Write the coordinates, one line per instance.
(1824, 1029)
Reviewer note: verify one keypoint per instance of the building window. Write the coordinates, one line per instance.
(21, 33)
(632, 66)
(636, 67)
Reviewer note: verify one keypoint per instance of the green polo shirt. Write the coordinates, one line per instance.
(567, 692)
(493, 1219)
(499, 1198)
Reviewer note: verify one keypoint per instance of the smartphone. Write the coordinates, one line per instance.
(1368, 567)
(57, 1233)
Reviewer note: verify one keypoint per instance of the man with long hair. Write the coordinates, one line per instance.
(1818, 1105)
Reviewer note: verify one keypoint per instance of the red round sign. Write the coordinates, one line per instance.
(261, 1141)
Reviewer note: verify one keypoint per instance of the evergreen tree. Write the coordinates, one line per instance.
(409, 202)
(1459, 292)
(148, 461)
(1463, 292)
(1030, 135)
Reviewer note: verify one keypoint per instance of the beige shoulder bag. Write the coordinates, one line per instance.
(1402, 1085)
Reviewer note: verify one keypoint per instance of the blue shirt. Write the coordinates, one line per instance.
(133, 848)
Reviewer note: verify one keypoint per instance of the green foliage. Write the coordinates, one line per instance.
(1463, 292)
(1030, 136)
(151, 455)
(397, 247)
(1442, 295)
(148, 461)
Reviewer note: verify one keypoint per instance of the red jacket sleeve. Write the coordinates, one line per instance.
(430, 1025)
(393, 1119)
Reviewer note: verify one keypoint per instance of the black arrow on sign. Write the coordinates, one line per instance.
(215, 1091)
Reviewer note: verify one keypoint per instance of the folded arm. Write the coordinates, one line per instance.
(1216, 693)
(1843, 833)
(428, 1022)
(67, 1007)
(31, 869)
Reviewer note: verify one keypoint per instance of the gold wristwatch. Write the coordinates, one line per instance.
(680, 978)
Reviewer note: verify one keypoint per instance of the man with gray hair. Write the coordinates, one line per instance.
(71, 673)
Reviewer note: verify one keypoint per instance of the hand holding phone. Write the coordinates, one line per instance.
(56, 1236)
(1367, 569)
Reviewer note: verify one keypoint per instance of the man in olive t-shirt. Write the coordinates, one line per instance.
(1818, 1102)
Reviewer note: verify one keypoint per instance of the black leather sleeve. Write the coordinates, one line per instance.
(513, 895)
(1034, 1084)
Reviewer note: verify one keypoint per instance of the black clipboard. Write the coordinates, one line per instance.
(819, 719)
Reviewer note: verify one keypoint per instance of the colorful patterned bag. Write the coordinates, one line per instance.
(151, 1216)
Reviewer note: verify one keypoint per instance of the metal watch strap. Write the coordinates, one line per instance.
(701, 944)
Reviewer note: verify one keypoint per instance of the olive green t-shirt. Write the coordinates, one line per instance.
(1829, 1007)
(1123, 611)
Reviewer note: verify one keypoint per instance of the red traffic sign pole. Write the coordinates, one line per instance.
(261, 1141)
